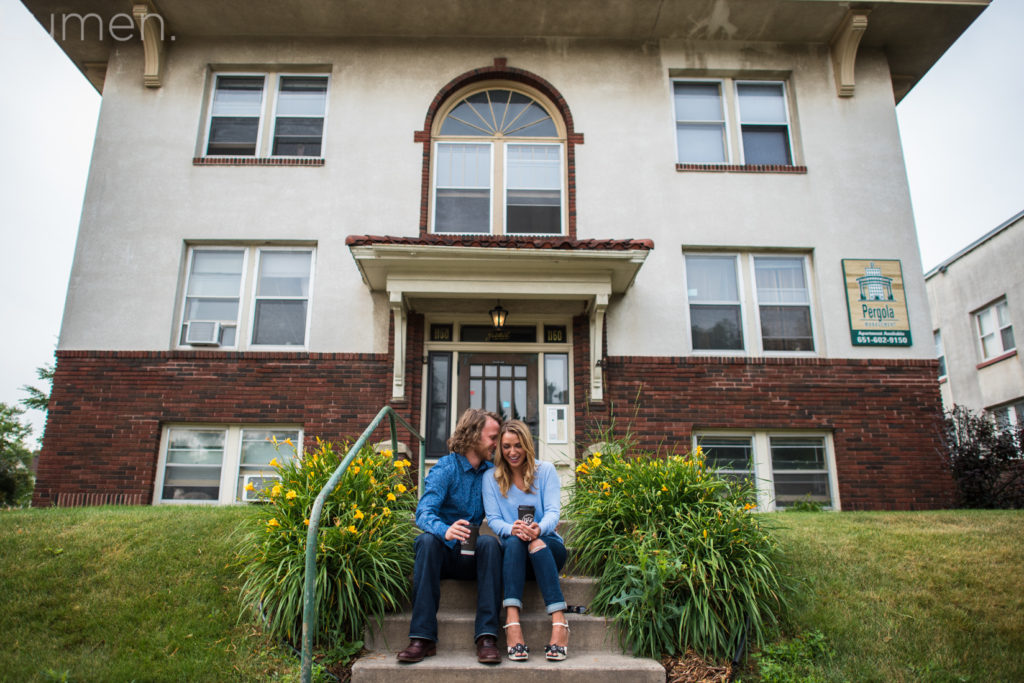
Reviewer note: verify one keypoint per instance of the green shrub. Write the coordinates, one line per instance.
(681, 561)
(365, 545)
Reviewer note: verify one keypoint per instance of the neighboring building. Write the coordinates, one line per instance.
(297, 213)
(976, 296)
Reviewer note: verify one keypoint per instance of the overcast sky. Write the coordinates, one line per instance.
(961, 127)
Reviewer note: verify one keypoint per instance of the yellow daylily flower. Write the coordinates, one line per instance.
(407, 463)
(291, 495)
(352, 530)
(276, 491)
(273, 523)
(354, 469)
(274, 462)
(387, 453)
(250, 487)
(289, 442)
(401, 488)
(306, 522)
(391, 496)
(359, 514)
(386, 512)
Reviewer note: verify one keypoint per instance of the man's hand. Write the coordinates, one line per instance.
(458, 531)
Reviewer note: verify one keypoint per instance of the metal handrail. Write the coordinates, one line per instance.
(309, 592)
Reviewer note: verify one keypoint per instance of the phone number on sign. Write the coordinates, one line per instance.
(897, 341)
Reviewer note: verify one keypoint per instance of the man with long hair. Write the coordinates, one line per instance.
(448, 511)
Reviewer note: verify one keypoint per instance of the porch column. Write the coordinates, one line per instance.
(398, 372)
(597, 309)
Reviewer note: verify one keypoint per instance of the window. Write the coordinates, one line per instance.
(296, 106)
(216, 301)
(760, 132)
(499, 167)
(713, 291)
(732, 456)
(940, 353)
(784, 303)
(786, 467)
(1010, 416)
(995, 332)
(217, 464)
(780, 301)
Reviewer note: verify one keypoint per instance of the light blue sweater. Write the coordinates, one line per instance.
(502, 511)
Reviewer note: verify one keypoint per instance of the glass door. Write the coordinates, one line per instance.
(504, 383)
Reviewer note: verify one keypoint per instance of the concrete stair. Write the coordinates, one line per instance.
(594, 653)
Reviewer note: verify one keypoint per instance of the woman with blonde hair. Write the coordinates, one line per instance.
(522, 500)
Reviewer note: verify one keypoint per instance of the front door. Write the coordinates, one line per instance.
(503, 383)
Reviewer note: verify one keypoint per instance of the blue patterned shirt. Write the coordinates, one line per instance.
(452, 491)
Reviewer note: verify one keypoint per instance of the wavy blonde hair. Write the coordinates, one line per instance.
(502, 470)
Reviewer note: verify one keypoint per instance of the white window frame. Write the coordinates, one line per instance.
(809, 283)
(940, 354)
(997, 334)
(739, 119)
(497, 225)
(560, 146)
(750, 310)
(728, 88)
(762, 466)
(268, 112)
(229, 466)
(1007, 415)
(490, 184)
(247, 297)
(740, 291)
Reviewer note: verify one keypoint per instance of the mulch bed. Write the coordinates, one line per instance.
(692, 668)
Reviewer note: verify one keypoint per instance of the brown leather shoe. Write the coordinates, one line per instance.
(487, 650)
(417, 650)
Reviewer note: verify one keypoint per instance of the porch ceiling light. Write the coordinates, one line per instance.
(498, 316)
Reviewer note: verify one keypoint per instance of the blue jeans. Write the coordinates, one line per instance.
(543, 565)
(436, 561)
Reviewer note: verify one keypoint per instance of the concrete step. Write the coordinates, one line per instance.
(459, 665)
(577, 590)
(455, 632)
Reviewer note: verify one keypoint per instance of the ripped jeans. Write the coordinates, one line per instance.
(518, 564)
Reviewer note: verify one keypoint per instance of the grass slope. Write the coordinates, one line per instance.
(119, 594)
(925, 596)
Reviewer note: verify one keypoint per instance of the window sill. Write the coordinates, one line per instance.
(743, 168)
(257, 161)
(996, 359)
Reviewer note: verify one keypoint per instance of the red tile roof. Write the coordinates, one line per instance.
(499, 241)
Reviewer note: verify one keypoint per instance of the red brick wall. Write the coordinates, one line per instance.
(107, 409)
(883, 414)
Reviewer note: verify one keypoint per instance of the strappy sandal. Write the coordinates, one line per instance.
(557, 653)
(518, 652)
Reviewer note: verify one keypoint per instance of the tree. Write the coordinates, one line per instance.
(37, 398)
(16, 480)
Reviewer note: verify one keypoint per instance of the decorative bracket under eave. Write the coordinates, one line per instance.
(844, 49)
(151, 31)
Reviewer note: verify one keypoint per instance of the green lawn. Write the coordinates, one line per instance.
(116, 594)
(921, 596)
(120, 594)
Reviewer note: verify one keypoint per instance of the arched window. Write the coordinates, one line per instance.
(499, 164)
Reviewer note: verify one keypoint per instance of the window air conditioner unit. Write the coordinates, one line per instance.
(203, 333)
(259, 483)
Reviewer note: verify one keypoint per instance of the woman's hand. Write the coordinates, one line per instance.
(521, 530)
(524, 531)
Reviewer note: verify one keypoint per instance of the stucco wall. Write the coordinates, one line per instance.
(982, 276)
(145, 198)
